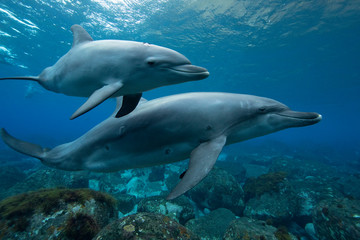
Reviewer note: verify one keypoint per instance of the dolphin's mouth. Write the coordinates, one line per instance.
(310, 117)
(195, 72)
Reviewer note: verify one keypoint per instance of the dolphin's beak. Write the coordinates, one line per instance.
(303, 118)
(191, 71)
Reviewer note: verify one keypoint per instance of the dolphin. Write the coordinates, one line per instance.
(111, 68)
(170, 129)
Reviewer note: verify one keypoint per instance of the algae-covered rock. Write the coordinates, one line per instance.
(49, 178)
(9, 176)
(55, 214)
(143, 226)
(249, 229)
(213, 225)
(310, 191)
(179, 209)
(277, 207)
(337, 219)
(266, 183)
(270, 197)
(125, 202)
(219, 190)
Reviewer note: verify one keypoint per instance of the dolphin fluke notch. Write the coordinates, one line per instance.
(30, 149)
(31, 78)
(202, 160)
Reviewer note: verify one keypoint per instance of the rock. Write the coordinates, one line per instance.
(55, 214)
(11, 158)
(142, 188)
(300, 167)
(219, 190)
(9, 176)
(310, 230)
(266, 183)
(125, 202)
(249, 229)
(270, 197)
(254, 170)
(310, 191)
(337, 219)
(109, 182)
(234, 168)
(173, 172)
(213, 225)
(143, 226)
(180, 209)
(157, 174)
(346, 185)
(49, 178)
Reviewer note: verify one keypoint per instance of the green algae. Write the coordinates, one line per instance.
(16, 210)
(255, 187)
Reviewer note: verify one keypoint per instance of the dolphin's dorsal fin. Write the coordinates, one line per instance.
(202, 160)
(80, 35)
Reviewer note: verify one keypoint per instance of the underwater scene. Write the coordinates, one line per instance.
(187, 119)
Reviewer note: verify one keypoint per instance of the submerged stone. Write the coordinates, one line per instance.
(337, 219)
(270, 197)
(219, 190)
(250, 229)
(55, 214)
(213, 225)
(180, 209)
(143, 226)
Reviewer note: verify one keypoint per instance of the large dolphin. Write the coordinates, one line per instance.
(112, 68)
(170, 129)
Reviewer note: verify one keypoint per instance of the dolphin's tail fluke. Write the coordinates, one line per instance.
(31, 78)
(21, 146)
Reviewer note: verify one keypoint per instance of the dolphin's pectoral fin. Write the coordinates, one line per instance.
(202, 160)
(97, 97)
(21, 146)
(80, 35)
(129, 103)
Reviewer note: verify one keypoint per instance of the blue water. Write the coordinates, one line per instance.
(302, 53)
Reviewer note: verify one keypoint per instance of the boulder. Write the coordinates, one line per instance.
(337, 219)
(213, 225)
(48, 178)
(56, 214)
(270, 197)
(219, 190)
(145, 226)
(180, 209)
(125, 202)
(250, 229)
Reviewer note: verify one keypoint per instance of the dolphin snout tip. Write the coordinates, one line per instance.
(191, 71)
(204, 75)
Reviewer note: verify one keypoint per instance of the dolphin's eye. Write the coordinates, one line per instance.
(262, 109)
(151, 62)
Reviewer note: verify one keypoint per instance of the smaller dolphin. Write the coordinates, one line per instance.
(170, 129)
(111, 68)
